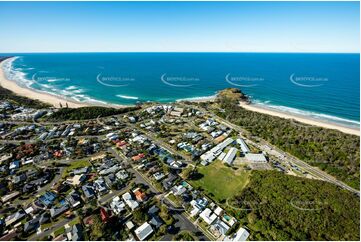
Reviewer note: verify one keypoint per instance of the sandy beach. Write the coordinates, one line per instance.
(299, 118)
(44, 97)
(56, 100)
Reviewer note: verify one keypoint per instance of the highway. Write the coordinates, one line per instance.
(303, 165)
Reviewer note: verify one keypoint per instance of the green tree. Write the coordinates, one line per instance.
(97, 228)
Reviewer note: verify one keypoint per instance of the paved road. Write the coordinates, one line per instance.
(182, 222)
(55, 227)
(161, 143)
(306, 167)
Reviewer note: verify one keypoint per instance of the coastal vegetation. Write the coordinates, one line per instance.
(8, 95)
(275, 206)
(91, 112)
(335, 152)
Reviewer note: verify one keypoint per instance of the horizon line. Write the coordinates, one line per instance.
(228, 52)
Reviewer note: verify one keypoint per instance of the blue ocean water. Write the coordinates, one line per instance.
(325, 86)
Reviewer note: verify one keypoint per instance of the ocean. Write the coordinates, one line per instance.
(324, 86)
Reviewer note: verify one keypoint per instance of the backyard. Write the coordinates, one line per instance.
(75, 165)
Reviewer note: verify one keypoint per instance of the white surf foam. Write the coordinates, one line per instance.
(127, 97)
(320, 116)
(196, 98)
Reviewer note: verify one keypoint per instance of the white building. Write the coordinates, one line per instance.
(230, 156)
(255, 157)
(241, 235)
(129, 201)
(143, 231)
(243, 146)
(216, 150)
(117, 205)
(208, 216)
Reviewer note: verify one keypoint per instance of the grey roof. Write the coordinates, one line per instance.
(156, 221)
(88, 191)
(153, 210)
(73, 198)
(81, 170)
(19, 178)
(57, 211)
(44, 217)
(31, 225)
(77, 232)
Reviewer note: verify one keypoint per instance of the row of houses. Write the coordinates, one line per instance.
(215, 217)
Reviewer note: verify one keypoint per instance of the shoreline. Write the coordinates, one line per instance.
(53, 100)
(299, 118)
(198, 99)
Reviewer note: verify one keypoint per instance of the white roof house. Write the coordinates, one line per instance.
(230, 156)
(218, 211)
(194, 211)
(143, 231)
(241, 235)
(129, 224)
(208, 216)
(256, 157)
(220, 226)
(117, 205)
(129, 201)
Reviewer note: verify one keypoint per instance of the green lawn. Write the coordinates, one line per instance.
(219, 181)
(75, 165)
(75, 221)
(174, 199)
(59, 231)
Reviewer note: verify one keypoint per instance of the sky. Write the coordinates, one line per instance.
(331, 27)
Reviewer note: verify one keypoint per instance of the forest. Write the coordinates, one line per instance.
(91, 112)
(335, 152)
(8, 95)
(275, 206)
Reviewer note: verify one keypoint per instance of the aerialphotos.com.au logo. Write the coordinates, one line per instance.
(179, 81)
(36, 78)
(243, 81)
(114, 81)
(308, 81)
(307, 205)
(244, 205)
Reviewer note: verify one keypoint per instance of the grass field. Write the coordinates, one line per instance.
(219, 181)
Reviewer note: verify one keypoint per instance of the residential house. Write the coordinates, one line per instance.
(144, 231)
(88, 191)
(117, 205)
(100, 186)
(31, 225)
(73, 199)
(241, 235)
(122, 174)
(156, 221)
(11, 219)
(220, 227)
(139, 195)
(56, 211)
(129, 201)
(208, 216)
